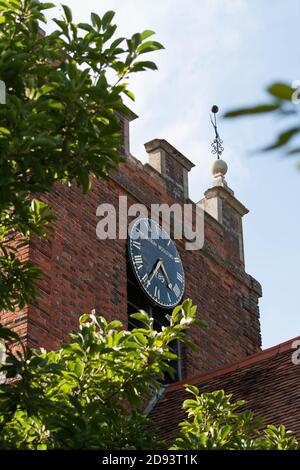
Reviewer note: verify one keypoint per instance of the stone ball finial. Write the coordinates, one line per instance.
(219, 168)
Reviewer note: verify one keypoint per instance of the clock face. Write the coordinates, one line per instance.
(156, 262)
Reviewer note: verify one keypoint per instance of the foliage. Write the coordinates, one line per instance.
(284, 99)
(213, 423)
(89, 394)
(60, 121)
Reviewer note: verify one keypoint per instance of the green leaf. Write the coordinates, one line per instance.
(42, 447)
(78, 368)
(107, 18)
(129, 94)
(192, 389)
(141, 66)
(85, 27)
(201, 323)
(109, 32)
(43, 142)
(281, 91)
(146, 34)
(116, 43)
(104, 120)
(149, 46)
(136, 39)
(84, 318)
(9, 335)
(259, 109)
(68, 13)
(83, 179)
(48, 5)
(115, 324)
(4, 130)
(143, 317)
(54, 104)
(283, 138)
(63, 26)
(293, 151)
(96, 20)
(140, 338)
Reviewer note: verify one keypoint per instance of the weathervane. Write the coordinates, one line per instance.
(217, 143)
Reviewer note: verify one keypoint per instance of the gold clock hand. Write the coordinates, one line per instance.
(156, 268)
(169, 284)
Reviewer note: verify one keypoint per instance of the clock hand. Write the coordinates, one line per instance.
(169, 284)
(154, 271)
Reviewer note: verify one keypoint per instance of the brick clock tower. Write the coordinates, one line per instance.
(82, 272)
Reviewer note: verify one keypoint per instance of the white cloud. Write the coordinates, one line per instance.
(200, 38)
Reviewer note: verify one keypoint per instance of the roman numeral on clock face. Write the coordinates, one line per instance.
(179, 277)
(145, 278)
(157, 292)
(177, 260)
(176, 290)
(138, 261)
(136, 244)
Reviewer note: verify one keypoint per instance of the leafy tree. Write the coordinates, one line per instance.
(213, 423)
(89, 394)
(60, 121)
(283, 101)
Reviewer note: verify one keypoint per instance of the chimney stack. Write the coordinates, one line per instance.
(219, 201)
(172, 165)
(125, 120)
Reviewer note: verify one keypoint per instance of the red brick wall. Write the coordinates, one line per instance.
(82, 272)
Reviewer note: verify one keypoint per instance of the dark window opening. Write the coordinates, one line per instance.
(137, 300)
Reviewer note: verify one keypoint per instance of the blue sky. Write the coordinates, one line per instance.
(225, 52)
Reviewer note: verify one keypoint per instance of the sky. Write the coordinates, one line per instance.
(225, 52)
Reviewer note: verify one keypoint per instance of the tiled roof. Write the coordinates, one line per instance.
(269, 382)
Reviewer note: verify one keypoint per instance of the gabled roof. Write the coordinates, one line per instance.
(269, 381)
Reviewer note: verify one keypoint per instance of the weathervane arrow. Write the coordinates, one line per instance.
(217, 148)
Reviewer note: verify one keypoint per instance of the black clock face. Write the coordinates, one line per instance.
(156, 262)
